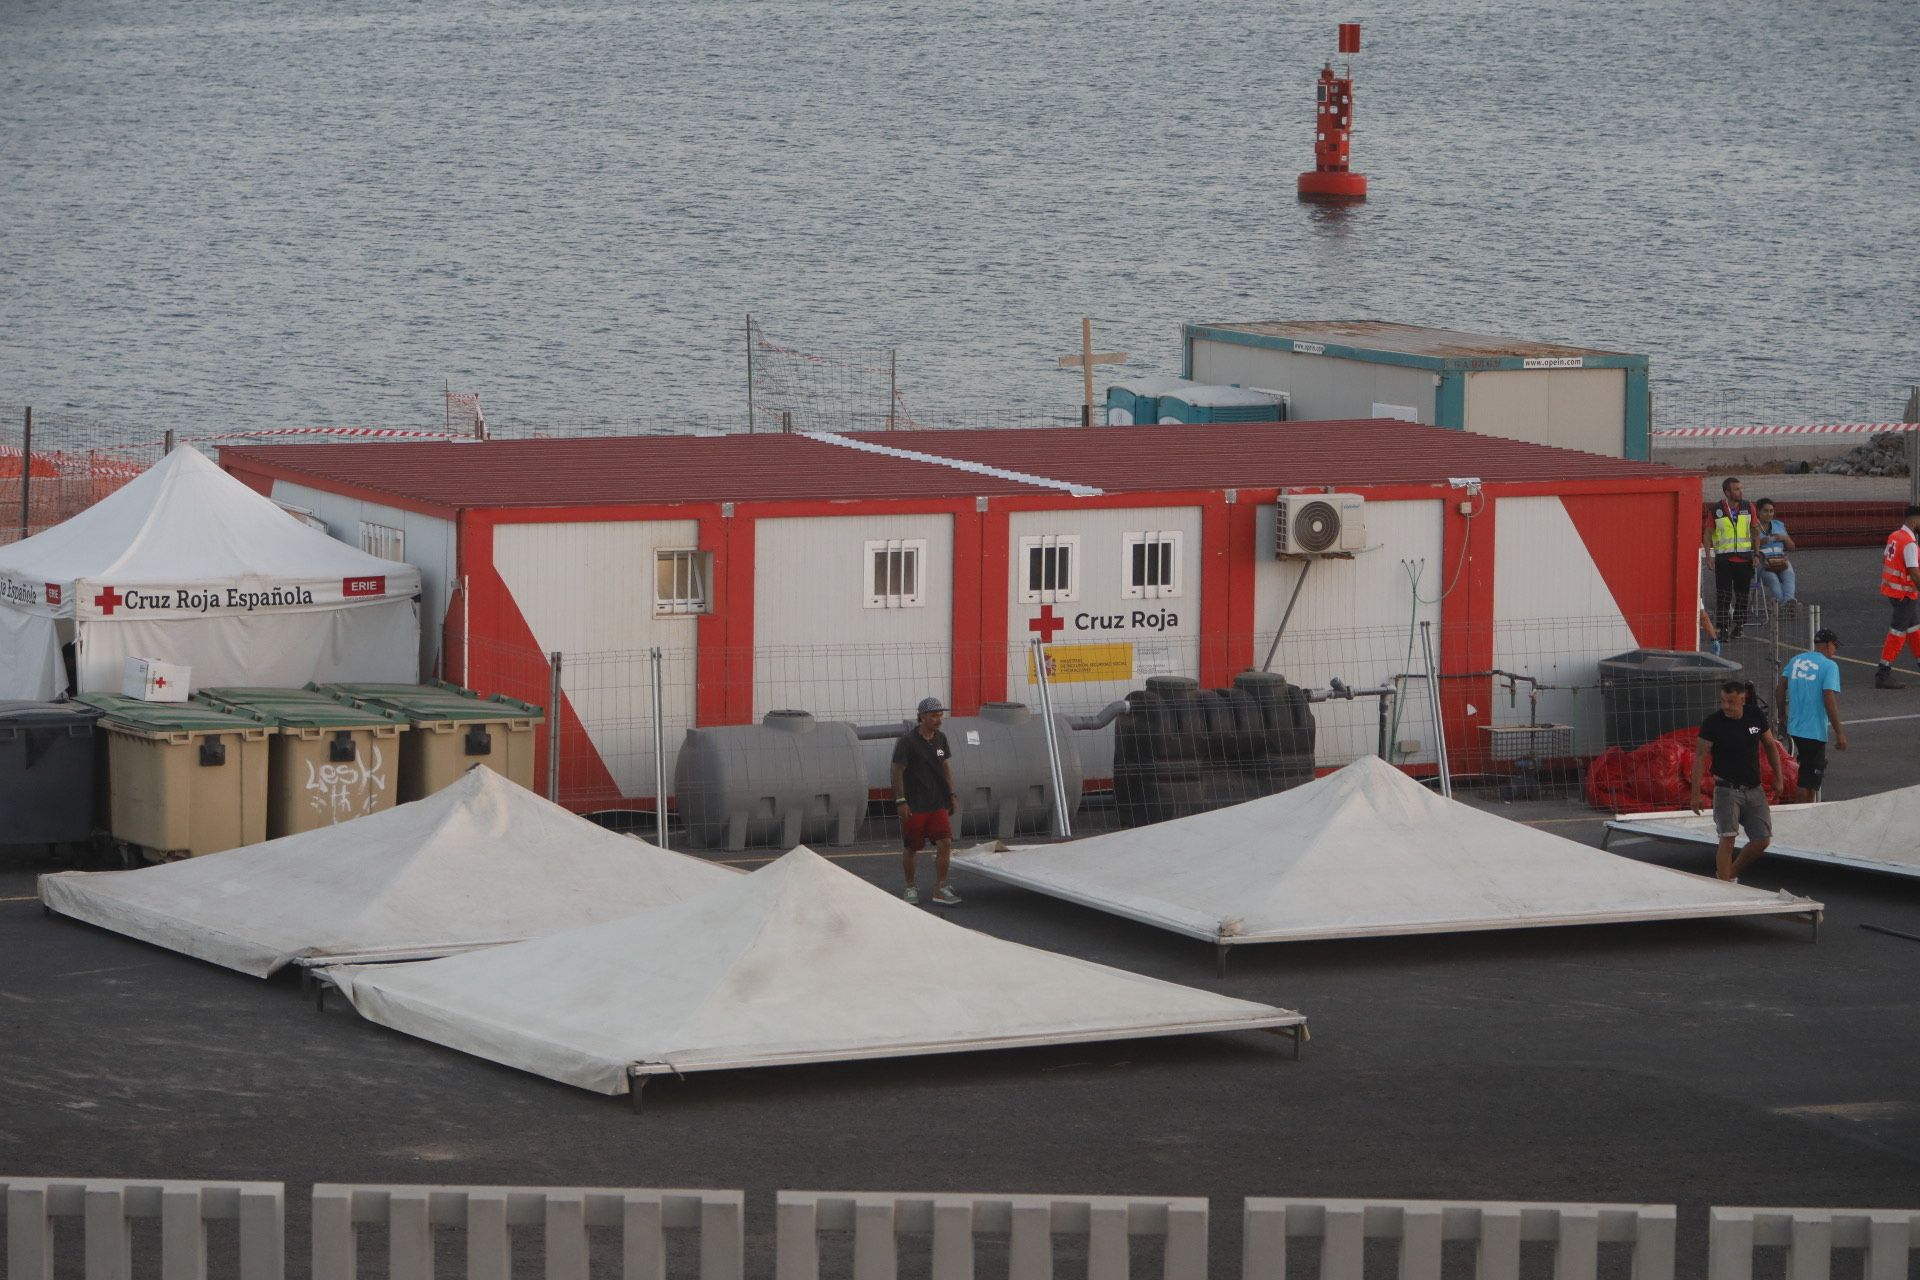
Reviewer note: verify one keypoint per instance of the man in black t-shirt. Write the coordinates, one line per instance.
(1731, 738)
(923, 794)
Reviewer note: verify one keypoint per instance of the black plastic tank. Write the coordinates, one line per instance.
(1647, 692)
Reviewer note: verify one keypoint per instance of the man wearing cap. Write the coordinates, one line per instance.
(923, 796)
(1807, 689)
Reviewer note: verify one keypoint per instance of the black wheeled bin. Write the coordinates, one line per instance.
(48, 772)
(1647, 692)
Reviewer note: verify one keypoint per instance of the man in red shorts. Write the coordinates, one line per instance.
(923, 794)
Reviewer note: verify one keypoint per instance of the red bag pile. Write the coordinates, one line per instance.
(1655, 775)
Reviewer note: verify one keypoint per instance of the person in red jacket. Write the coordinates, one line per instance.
(1900, 584)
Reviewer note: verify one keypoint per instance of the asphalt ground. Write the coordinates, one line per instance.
(1718, 1062)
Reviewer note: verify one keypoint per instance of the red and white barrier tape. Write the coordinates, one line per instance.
(1809, 429)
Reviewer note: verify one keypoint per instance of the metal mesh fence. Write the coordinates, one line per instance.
(782, 745)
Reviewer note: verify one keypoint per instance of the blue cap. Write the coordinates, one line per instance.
(931, 704)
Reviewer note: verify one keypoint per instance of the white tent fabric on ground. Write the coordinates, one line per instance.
(481, 862)
(185, 564)
(1870, 833)
(1362, 852)
(800, 961)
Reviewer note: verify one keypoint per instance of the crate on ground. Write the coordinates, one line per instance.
(330, 762)
(183, 778)
(1529, 744)
(453, 729)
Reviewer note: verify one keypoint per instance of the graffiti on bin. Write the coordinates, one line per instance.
(343, 791)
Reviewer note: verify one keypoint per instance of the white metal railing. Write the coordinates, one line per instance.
(878, 1219)
(1889, 1237)
(107, 1209)
(564, 1214)
(1421, 1229)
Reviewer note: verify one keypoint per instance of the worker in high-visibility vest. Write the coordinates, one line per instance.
(1900, 584)
(1729, 536)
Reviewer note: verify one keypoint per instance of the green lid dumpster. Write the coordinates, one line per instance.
(330, 762)
(47, 769)
(452, 729)
(183, 779)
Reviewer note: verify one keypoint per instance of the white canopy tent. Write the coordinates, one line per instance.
(188, 565)
(1362, 852)
(1870, 833)
(798, 962)
(481, 862)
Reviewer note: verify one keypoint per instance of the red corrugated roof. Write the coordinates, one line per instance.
(1256, 455)
(583, 471)
(774, 468)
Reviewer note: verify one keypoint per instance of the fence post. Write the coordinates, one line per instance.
(553, 726)
(26, 473)
(1062, 823)
(167, 443)
(1813, 623)
(1912, 414)
(659, 755)
(1433, 699)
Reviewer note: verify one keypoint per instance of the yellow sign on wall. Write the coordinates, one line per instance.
(1084, 663)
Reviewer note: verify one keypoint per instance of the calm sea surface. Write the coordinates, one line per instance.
(221, 215)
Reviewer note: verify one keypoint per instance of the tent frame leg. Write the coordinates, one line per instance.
(319, 994)
(1220, 959)
(1606, 834)
(1814, 918)
(1298, 1034)
(636, 1087)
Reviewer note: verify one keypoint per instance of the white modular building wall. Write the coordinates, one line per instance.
(1554, 616)
(820, 645)
(1320, 386)
(1154, 632)
(586, 589)
(431, 546)
(1571, 408)
(1359, 620)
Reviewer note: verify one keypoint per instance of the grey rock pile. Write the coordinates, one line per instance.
(1884, 455)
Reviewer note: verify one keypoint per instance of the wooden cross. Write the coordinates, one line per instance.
(1085, 361)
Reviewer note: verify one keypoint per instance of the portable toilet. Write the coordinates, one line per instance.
(1581, 398)
(1199, 402)
(1137, 400)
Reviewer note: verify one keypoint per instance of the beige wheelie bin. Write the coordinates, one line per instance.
(451, 730)
(330, 762)
(183, 779)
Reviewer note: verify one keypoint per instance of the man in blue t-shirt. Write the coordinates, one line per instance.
(1806, 688)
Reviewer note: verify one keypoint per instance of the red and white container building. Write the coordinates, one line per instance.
(851, 575)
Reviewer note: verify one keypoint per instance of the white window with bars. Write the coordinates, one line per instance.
(383, 540)
(1150, 568)
(682, 582)
(894, 573)
(1049, 568)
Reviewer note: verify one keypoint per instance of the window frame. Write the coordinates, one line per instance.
(375, 537)
(684, 605)
(914, 549)
(1172, 539)
(1030, 594)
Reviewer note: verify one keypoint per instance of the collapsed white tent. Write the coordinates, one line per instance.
(188, 565)
(1871, 833)
(798, 962)
(1362, 852)
(481, 862)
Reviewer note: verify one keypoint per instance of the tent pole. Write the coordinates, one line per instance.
(26, 474)
(1220, 959)
(1439, 726)
(659, 757)
(553, 726)
(636, 1086)
(1063, 825)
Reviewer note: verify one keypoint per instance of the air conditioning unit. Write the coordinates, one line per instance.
(1318, 524)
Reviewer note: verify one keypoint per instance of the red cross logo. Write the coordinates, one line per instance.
(159, 682)
(107, 599)
(1046, 624)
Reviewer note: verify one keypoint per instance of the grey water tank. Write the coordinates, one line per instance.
(784, 781)
(1647, 692)
(1000, 773)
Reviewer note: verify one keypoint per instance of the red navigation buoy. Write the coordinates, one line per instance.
(1330, 179)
